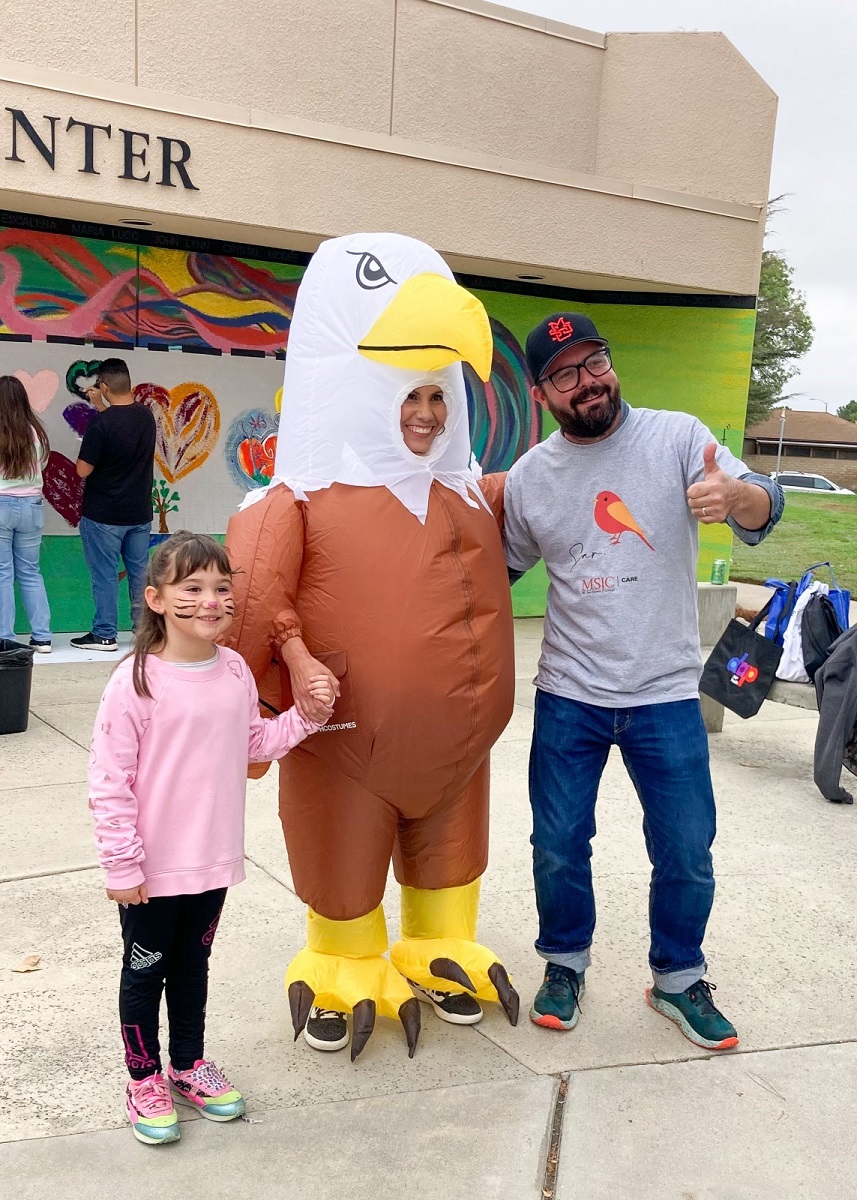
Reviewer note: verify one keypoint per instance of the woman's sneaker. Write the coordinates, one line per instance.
(458, 1008)
(326, 1029)
(150, 1110)
(557, 1002)
(695, 1014)
(206, 1089)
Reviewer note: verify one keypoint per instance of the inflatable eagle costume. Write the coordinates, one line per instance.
(389, 566)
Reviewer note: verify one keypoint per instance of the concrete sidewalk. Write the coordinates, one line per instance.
(623, 1107)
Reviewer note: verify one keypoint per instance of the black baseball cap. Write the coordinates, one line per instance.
(555, 334)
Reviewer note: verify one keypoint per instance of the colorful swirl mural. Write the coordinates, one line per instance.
(53, 284)
(505, 421)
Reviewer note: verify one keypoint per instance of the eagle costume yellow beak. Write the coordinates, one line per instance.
(431, 323)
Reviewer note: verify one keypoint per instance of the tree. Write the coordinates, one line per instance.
(165, 502)
(848, 411)
(784, 333)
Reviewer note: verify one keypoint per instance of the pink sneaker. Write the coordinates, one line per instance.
(150, 1110)
(206, 1088)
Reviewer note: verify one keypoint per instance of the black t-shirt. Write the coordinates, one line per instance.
(120, 444)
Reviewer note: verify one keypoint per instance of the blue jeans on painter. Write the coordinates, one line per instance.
(103, 546)
(665, 750)
(22, 519)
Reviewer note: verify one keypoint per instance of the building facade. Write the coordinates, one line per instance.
(820, 443)
(165, 175)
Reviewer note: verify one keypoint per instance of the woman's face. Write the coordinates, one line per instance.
(423, 418)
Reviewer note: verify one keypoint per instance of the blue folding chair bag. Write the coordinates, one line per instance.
(786, 594)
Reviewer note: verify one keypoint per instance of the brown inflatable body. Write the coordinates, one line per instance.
(416, 621)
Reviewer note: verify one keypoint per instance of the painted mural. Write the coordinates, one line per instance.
(204, 336)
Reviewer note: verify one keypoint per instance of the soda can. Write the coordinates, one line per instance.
(719, 570)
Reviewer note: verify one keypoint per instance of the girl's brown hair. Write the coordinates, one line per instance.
(174, 560)
(19, 456)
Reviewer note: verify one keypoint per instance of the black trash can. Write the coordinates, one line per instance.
(16, 677)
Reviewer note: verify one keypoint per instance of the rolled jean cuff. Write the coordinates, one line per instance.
(679, 981)
(577, 960)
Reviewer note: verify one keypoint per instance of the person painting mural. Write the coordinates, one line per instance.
(375, 557)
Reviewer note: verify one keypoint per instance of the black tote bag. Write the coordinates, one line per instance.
(742, 666)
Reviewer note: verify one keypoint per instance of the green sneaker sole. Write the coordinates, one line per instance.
(678, 1018)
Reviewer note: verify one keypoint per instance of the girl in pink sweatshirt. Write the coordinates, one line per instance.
(177, 725)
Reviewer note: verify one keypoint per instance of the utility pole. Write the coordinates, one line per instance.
(783, 412)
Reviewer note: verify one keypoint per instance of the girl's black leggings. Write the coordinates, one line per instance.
(167, 947)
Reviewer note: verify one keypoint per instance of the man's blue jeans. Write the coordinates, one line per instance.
(665, 750)
(103, 546)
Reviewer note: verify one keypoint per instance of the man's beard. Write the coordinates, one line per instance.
(594, 421)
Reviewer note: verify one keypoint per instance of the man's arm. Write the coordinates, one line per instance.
(522, 551)
(723, 490)
(91, 449)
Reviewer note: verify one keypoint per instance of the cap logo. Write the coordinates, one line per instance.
(561, 330)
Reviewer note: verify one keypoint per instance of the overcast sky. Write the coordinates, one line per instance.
(807, 52)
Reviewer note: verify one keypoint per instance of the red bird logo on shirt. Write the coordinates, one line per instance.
(613, 517)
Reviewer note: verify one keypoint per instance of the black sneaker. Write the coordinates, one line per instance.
(326, 1029)
(458, 1008)
(91, 641)
(40, 647)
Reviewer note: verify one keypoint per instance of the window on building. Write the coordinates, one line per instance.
(770, 450)
(841, 453)
(824, 452)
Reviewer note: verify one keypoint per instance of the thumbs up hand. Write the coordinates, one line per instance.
(713, 499)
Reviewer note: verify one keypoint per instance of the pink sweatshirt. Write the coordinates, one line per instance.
(168, 775)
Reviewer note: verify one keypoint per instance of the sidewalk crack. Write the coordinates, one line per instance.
(555, 1126)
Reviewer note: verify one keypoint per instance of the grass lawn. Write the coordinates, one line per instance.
(812, 529)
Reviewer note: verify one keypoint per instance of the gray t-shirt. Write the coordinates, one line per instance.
(612, 523)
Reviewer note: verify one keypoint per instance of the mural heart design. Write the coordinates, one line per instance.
(63, 488)
(188, 421)
(78, 415)
(256, 457)
(41, 387)
(251, 448)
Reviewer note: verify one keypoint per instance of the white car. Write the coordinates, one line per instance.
(804, 481)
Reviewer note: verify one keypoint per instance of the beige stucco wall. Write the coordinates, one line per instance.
(496, 88)
(511, 143)
(688, 112)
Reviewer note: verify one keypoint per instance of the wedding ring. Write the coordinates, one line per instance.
(704, 511)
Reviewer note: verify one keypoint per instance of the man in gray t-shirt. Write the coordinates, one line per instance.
(612, 502)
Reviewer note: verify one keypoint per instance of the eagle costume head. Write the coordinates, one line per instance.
(376, 315)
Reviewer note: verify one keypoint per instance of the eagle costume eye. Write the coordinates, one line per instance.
(370, 273)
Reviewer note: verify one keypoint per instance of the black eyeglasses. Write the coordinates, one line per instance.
(566, 379)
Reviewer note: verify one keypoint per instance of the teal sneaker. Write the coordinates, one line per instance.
(557, 1002)
(696, 1015)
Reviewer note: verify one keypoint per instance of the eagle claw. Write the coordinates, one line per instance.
(366, 987)
(436, 962)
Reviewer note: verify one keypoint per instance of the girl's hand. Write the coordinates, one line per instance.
(321, 690)
(136, 895)
(302, 669)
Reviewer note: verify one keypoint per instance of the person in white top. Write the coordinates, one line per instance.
(23, 451)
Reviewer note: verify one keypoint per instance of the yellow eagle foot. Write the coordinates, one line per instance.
(366, 986)
(434, 963)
